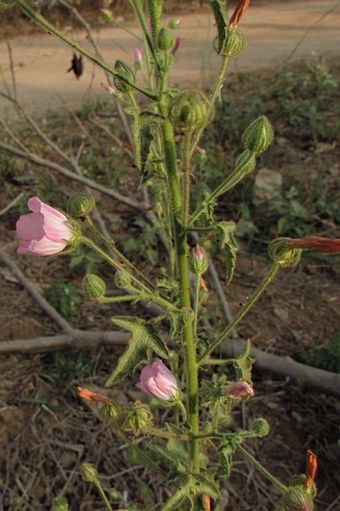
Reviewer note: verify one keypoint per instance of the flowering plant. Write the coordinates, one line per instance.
(167, 127)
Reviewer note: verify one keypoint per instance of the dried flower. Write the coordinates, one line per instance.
(176, 46)
(44, 231)
(241, 7)
(311, 467)
(316, 243)
(158, 381)
(88, 395)
(238, 389)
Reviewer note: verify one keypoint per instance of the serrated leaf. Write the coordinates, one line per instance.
(209, 206)
(228, 246)
(181, 494)
(144, 338)
(243, 364)
(203, 486)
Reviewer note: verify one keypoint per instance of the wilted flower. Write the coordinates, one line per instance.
(316, 243)
(241, 7)
(238, 389)
(158, 381)
(176, 46)
(44, 231)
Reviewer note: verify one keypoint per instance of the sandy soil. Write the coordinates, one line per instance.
(275, 31)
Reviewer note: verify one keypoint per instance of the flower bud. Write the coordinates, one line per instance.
(111, 412)
(89, 472)
(280, 253)
(80, 205)
(199, 262)
(174, 23)
(259, 135)
(238, 389)
(246, 162)
(122, 279)
(297, 499)
(190, 110)
(93, 286)
(260, 427)
(233, 45)
(165, 39)
(138, 58)
(138, 419)
(60, 504)
(123, 72)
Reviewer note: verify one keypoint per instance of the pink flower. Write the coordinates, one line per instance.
(238, 389)
(138, 55)
(42, 232)
(158, 381)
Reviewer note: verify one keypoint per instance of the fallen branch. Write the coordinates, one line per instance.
(37, 160)
(300, 374)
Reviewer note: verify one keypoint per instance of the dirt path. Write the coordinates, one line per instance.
(274, 31)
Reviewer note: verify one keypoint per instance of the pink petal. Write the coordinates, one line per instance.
(30, 226)
(42, 247)
(38, 206)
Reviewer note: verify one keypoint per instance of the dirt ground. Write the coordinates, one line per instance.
(45, 431)
(275, 31)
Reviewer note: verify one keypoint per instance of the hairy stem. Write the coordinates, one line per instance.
(184, 286)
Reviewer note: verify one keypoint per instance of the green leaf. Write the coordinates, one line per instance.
(144, 338)
(228, 246)
(182, 493)
(203, 486)
(243, 364)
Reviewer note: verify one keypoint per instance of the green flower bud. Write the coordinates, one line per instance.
(190, 110)
(260, 426)
(122, 279)
(280, 253)
(93, 286)
(111, 412)
(165, 39)
(60, 504)
(138, 419)
(123, 72)
(259, 135)
(246, 162)
(297, 499)
(233, 45)
(199, 261)
(80, 205)
(89, 472)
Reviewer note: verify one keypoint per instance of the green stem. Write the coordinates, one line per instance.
(196, 301)
(229, 182)
(148, 293)
(267, 280)
(40, 20)
(186, 178)
(280, 486)
(181, 246)
(117, 299)
(118, 254)
(212, 98)
(100, 489)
